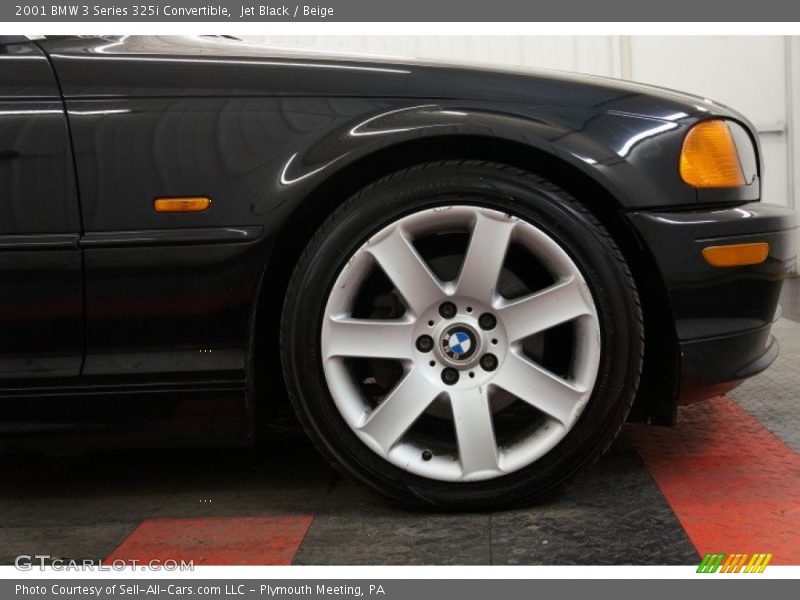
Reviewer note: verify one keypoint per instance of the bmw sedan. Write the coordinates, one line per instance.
(465, 280)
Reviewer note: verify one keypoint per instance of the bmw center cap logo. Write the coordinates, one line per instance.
(459, 343)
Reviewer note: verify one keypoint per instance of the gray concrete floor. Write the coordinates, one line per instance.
(83, 507)
(773, 397)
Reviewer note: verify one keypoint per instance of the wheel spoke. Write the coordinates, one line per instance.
(369, 338)
(541, 389)
(387, 423)
(408, 272)
(485, 256)
(477, 448)
(393, 427)
(547, 308)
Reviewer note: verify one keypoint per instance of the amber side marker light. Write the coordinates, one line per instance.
(187, 204)
(736, 255)
(709, 158)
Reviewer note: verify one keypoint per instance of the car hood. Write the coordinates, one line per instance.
(137, 66)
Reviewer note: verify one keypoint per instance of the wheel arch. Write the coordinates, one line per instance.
(657, 398)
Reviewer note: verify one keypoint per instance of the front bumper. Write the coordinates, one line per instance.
(722, 316)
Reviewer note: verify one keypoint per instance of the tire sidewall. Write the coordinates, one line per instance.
(500, 188)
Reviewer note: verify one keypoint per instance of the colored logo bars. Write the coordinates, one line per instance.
(734, 563)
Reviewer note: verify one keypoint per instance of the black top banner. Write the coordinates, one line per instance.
(228, 11)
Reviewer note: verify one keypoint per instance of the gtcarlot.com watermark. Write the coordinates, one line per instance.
(28, 562)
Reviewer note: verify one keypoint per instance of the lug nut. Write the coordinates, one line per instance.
(424, 343)
(450, 376)
(447, 310)
(427, 455)
(487, 321)
(489, 362)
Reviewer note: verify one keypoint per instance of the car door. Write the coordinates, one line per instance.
(168, 294)
(41, 295)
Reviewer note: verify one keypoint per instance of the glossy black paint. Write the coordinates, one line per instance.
(41, 299)
(722, 315)
(268, 135)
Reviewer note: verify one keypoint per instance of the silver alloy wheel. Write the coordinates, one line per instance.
(460, 344)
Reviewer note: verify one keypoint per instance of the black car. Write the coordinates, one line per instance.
(467, 279)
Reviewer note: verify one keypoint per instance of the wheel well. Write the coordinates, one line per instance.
(657, 397)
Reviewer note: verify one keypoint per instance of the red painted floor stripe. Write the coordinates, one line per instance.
(733, 485)
(267, 540)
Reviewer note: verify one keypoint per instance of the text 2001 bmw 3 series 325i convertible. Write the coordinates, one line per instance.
(467, 279)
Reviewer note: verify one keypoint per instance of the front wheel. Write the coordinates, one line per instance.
(462, 334)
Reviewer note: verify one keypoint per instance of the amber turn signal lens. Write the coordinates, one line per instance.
(193, 204)
(736, 255)
(709, 158)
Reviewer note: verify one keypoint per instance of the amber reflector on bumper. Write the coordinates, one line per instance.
(191, 204)
(709, 158)
(736, 255)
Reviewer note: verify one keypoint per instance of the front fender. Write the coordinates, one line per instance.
(634, 158)
(259, 159)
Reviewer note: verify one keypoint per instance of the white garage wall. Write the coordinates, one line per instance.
(793, 117)
(759, 76)
(598, 55)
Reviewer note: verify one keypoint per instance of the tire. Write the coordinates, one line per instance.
(551, 401)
